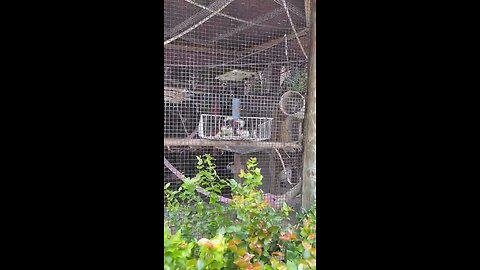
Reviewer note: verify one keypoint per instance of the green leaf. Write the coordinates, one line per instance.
(235, 228)
(291, 265)
(306, 253)
(191, 262)
(221, 230)
(200, 264)
(290, 254)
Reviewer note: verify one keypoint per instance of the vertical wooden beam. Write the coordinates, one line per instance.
(272, 167)
(286, 129)
(237, 165)
(268, 85)
(310, 138)
(308, 5)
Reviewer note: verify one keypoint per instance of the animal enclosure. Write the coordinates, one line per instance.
(235, 83)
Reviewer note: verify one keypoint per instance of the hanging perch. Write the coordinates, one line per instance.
(292, 103)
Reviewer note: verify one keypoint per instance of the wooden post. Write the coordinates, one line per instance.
(310, 137)
(272, 167)
(308, 5)
(261, 145)
(238, 166)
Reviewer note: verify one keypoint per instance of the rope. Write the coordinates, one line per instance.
(198, 24)
(293, 27)
(231, 17)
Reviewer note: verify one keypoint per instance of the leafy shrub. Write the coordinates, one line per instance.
(297, 81)
(245, 233)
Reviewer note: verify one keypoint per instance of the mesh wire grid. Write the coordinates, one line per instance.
(218, 51)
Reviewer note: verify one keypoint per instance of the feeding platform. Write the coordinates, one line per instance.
(223, 127)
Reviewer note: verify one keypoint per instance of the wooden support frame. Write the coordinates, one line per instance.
(272, 164)
(248, 24)
(308, 5)
(200, 49)
(276, 41)
(309, 183)
(170, 142)
(238, 166)
(192, 20)
(234, 18)
(292, 8)
(260, 19)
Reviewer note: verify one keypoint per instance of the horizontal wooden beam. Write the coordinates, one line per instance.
(235, 18)
(168, 142)
(291, 8)
(195, 19)
(276, 41)
(199, 49)
(259, 19)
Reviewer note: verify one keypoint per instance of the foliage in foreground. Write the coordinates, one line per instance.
(245, 233)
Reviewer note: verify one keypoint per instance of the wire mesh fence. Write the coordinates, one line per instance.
(234, 87)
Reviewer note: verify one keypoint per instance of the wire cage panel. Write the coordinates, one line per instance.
(210, 48)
